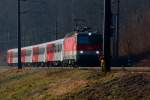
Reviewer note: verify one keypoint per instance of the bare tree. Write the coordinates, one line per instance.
(136, 34)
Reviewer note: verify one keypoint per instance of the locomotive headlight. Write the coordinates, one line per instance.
(90, 34)
(97, 52)
(81, 52)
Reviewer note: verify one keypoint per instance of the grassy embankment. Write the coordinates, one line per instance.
(73, 84)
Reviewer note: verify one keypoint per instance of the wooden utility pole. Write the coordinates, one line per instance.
(19, 38)
(106, 35)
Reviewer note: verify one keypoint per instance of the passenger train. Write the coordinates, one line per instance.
(77, 49)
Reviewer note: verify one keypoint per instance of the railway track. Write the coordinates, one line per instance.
(139, 69)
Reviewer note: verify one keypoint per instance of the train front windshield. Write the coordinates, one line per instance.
(89, 39)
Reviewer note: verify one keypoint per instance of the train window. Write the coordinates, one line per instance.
(95, 39)
(15, 54)
(92, 39)
(59, 47)
(41, 50)
(54, 48)
(50, 49)
(83, 39)
(28, 52)
(35, 51)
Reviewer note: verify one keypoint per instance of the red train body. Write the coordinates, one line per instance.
(74, 50)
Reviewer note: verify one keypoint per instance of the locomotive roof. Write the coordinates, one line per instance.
(78, 33)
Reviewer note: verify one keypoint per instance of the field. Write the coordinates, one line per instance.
(46, 84)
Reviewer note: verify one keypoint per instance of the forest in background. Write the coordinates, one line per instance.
(38, 18)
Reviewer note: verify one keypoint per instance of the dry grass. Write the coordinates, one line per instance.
(66, 86)
(29, 84)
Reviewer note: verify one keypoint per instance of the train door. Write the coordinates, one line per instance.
(35, 57)
(23, 56)
(28, 56)
(42, 54)
(15, 57)
(50, 52)
(9, 57)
